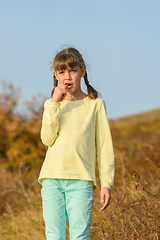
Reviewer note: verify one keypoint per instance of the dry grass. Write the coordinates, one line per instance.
(28, 224)
(133, 212)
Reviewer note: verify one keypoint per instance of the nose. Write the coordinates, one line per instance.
(68, 75)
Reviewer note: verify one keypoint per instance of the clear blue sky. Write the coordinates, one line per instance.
(119, 40)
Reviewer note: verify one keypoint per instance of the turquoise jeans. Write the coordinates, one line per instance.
(67, 199)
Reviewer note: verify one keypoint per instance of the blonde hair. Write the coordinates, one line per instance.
(71, 57)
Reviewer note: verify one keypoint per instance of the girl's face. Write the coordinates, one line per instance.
(71, 77)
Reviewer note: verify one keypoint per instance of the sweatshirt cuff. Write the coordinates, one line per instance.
(106, 185)
(55, 105)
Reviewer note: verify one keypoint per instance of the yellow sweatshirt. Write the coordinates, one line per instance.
(77, 133)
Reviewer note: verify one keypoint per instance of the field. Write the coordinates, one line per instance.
(134, 211)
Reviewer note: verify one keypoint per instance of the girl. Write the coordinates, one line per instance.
(76, 131)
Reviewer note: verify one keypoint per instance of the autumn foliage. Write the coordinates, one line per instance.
(134, 212)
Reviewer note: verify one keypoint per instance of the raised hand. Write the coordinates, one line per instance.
(60, 92)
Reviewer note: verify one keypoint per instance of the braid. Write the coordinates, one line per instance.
(92, 93)
(86, 79)
(54, 84)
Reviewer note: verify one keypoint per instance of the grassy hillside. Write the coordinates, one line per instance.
(134, 212)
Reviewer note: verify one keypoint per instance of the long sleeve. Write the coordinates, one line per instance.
(50, 122)
(104, 147)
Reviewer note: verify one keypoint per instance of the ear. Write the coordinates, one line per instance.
(83, 71)
(55, 74)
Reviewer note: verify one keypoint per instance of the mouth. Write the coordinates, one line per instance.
(68, 85)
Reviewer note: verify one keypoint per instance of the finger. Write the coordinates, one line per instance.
(62, 89)
(62, 85)
(106, 204)
(59, 93)
(102, 198)
(64, 95)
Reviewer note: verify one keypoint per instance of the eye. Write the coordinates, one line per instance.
(60, 72)
(73, 70)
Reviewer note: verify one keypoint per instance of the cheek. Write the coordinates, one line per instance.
(79, 82)
(61, 81)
